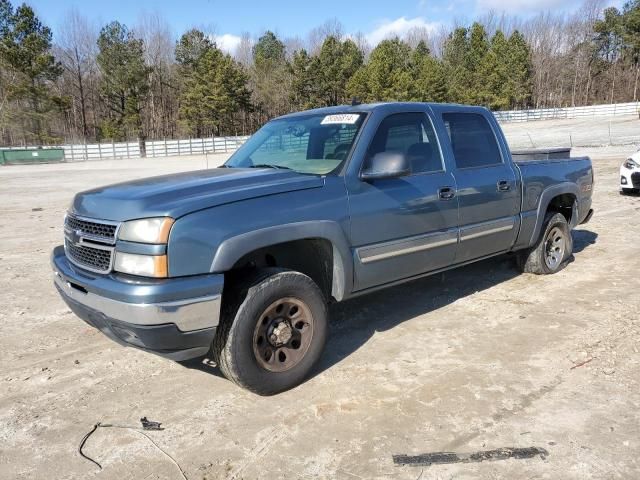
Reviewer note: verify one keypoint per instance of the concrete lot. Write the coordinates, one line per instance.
(475, 359)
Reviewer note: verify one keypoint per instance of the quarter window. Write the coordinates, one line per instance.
(411, 134)
(472, 139)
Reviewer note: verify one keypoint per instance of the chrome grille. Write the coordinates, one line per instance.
(90, 243)
(94, 259)
(94, 230)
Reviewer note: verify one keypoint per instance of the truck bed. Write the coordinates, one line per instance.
(541, 154)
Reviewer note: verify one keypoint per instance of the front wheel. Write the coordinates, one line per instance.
(272, 332)
(551, 251)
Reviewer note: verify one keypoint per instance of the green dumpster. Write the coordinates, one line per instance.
(34, 155)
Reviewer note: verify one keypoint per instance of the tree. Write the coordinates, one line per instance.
(455, 61)
(387, 76)
(430, 83)
(76, 49)
(270, 77)
(478, 49)
(494, 73)
(269, 50)
(519, 72)
(25, 54)
(336, 63)
(214, 89)
(161, 104)
(304, 82)
(125, 82)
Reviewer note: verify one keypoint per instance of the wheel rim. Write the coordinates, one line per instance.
(283, 334)
(555, 246)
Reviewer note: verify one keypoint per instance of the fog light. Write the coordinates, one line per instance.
(623, 180)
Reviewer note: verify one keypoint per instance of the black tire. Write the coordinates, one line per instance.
(538, 259)
(235, 348)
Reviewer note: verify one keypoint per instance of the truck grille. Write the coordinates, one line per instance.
(94, 259)
(90, 243)
(92, 229)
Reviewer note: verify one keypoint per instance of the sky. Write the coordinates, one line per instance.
(289, 18)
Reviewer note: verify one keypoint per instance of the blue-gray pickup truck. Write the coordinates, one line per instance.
(240, 262)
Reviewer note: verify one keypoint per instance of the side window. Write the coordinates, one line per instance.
(472, 139)
(411, 134)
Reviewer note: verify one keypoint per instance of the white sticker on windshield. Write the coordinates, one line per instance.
(349, 118)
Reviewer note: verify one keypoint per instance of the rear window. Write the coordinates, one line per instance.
(472, 139)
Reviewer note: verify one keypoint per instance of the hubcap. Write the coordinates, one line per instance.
(283, 334)
(555, 245)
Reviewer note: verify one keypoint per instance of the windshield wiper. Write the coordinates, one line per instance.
(270, 165)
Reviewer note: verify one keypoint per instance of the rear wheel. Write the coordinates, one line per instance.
(551, 251)
(272, 332)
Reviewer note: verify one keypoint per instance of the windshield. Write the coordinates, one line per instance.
(315, 144)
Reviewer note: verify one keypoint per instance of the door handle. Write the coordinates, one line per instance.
(446, 193)
(504, 186)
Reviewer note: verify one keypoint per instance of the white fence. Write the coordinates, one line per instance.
(611, 110)
(156, 148)
(201, 146)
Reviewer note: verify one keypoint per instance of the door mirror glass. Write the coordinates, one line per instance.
(386, 165)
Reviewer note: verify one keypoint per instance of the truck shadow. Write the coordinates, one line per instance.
(352, 323)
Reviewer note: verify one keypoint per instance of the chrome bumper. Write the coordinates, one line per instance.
(190, 303)
(187, 315)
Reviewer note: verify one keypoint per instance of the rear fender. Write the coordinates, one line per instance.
(543, 204)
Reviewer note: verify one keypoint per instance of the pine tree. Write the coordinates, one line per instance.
(456, 65)
(494, 74)
(271, 77)
(520, 72)
(124, 83)
(304, 84)
(352, 60)
(478, 49)
(337, 62)
(430, 84)
(387, 76)
(214, 89)
(29, 67)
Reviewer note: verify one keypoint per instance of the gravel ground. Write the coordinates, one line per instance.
(475, 359)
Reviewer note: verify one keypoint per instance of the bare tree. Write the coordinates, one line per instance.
(244, 53)
(156, 34)
(330, 28)
(76, 49)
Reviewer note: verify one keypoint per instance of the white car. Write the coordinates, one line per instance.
(630, 174)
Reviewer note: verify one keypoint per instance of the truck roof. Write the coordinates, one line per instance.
(385, 107)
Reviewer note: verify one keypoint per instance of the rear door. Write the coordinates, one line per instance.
(487, 185)
(402, 227)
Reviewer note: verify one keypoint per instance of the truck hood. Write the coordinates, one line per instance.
(182, 193)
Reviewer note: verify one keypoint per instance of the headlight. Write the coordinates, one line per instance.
(142, 265)
(631, 164)
(148, 230)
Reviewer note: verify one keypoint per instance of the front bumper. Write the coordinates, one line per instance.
(175, 318)
(629, 179)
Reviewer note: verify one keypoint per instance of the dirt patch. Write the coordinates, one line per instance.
(468, 361)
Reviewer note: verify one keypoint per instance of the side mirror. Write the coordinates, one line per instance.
(385, 165)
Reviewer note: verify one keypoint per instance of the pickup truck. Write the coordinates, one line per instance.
(240, 262)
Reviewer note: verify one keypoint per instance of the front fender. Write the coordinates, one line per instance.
(234, 248)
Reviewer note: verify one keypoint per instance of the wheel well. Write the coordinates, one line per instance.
(311, 256)
(563, 204)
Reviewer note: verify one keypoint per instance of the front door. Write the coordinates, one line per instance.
(405, 226)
